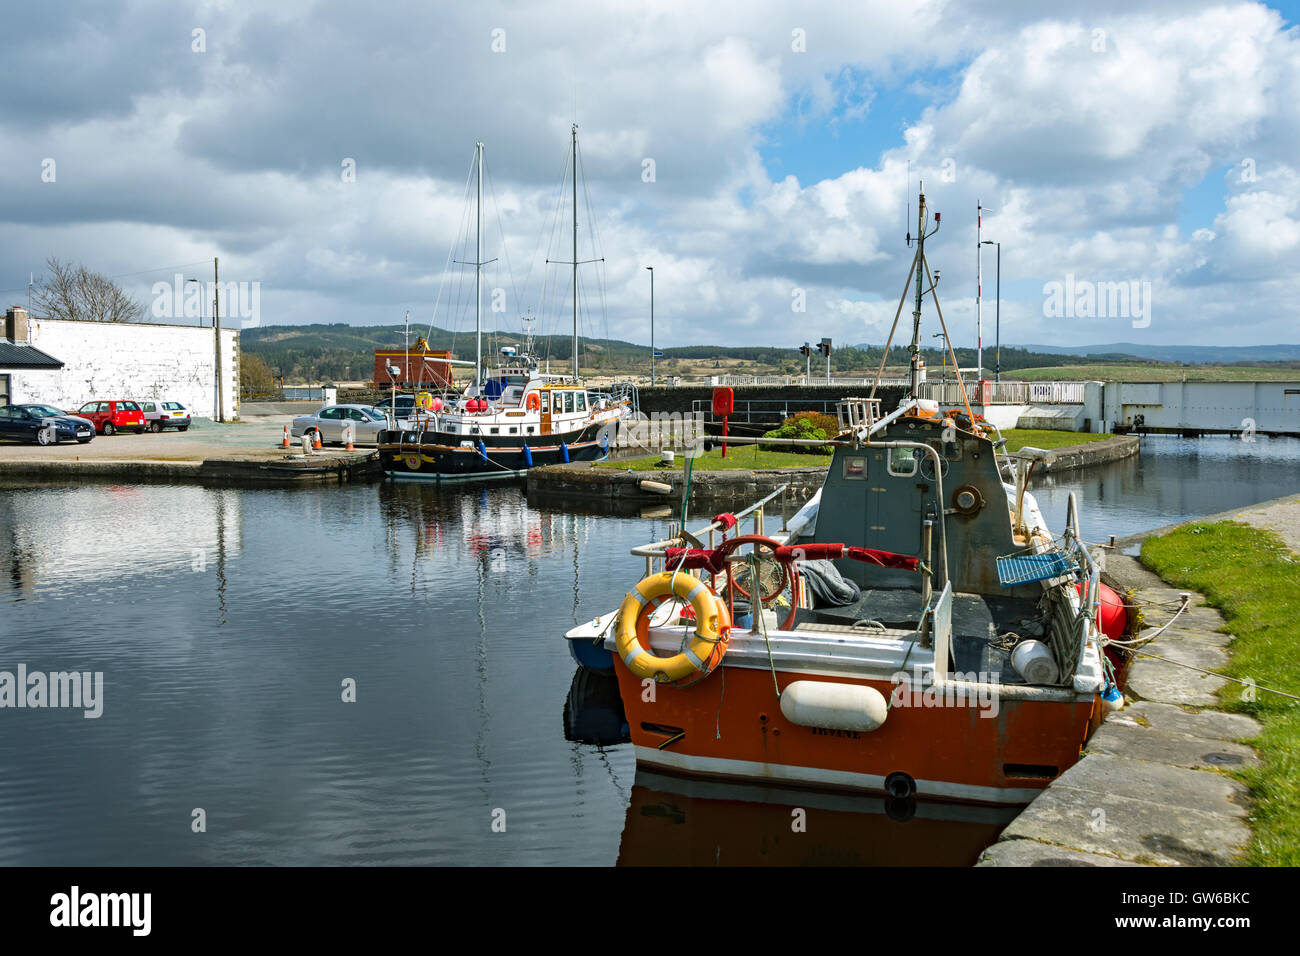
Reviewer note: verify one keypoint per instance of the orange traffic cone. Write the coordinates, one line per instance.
(316, 445)
(350, 446)
(285, 442)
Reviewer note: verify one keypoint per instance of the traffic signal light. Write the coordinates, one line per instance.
(805, 350)
(824, 347)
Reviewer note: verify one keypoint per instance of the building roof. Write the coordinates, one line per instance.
(21, 355)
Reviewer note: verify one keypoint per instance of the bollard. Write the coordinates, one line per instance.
(306, 444)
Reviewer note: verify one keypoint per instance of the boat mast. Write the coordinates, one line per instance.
(478, 268)
(575, 253)
(915, 347)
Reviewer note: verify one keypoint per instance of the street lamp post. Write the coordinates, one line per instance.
(651, 270)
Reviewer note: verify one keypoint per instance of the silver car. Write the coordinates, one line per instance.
(329, 421)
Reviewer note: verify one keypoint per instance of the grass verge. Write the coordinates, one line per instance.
(1254, 579)
(1018, 438)
(738, 456)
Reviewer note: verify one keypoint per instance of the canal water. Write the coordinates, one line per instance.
(229, 626)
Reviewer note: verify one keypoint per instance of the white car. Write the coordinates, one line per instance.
(329, 421)
(160, 415)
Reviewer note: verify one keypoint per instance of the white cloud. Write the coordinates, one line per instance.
(1083, 157)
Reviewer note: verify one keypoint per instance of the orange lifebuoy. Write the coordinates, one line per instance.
(533, 402)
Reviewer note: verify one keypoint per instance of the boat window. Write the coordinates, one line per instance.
(530, 429)
(568, 402)
(947, 449)
(546, 402)
(494, 431)
(514, 430)
(855, 468)
(582, 400)
(902, 462)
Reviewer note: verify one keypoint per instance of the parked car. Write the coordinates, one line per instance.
(405, 404)
(329, 423)
(43, 425)
(112, 416)
(160, 415)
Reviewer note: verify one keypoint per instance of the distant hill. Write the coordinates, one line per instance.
(1187, 354)
(317, 353)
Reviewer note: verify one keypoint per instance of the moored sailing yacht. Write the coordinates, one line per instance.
(937, 641)
(514, 417)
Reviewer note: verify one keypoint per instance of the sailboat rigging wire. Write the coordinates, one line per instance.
(960, 384)
(596, 250)
(461, 244)
(547, 330)
(505, 250)
(893, 328)
(447, 266)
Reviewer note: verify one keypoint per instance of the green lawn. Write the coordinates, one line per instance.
(751, 456)
(738, 456)
(1018, 438)
(1254, 579)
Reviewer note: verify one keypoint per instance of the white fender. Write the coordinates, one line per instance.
(834, 706)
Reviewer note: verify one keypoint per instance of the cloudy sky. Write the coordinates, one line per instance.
(745, 150)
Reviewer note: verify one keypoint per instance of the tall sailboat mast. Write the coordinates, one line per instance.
(478, 268)
(575, 252)
(575, 261)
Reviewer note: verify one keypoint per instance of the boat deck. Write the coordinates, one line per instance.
(977, 621)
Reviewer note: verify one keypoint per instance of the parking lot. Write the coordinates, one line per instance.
(255, 436)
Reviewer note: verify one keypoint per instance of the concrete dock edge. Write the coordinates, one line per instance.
(1150, 788)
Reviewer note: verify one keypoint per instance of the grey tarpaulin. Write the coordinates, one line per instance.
(827, 584)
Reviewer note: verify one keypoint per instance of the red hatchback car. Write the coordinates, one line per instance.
(110, 417)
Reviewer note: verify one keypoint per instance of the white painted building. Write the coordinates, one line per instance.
(119, 360)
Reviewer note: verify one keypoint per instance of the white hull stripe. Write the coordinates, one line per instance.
(722, 767)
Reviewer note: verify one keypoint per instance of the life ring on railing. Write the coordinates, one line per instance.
(424, 400)
(712, 625)
(533, 402)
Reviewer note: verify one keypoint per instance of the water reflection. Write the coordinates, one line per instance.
(224, 622)
(679, 822)
(64, 540)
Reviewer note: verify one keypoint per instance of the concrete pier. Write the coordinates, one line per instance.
(1150, 788)
(247, 453)
(585, 480)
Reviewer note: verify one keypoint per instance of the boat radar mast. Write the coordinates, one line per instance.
(920, 268)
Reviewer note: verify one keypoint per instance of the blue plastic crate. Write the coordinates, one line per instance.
(1027, 568)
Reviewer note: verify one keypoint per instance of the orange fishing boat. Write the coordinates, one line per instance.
(914, 629)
